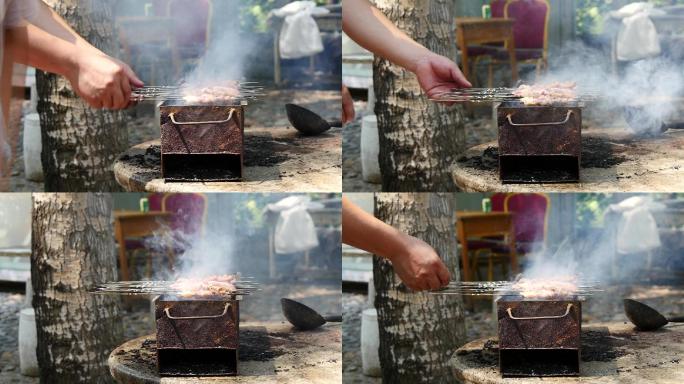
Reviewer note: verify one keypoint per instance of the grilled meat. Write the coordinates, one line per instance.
(211, 95)
(218, 285)
(547, 94)
(534, 288)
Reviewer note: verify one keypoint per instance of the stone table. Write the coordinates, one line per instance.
(271, 352)
(611, 353)
(277, 159)
(612, 161)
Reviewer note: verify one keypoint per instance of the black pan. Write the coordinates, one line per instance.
(646, 318)
(307, 122)
(303, 317)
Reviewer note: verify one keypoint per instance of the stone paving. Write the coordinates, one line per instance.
(603, 307)
(323, 296)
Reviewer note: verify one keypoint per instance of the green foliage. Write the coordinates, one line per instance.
(591, 207)
(254, 13)
(249, 207)
(591, 14)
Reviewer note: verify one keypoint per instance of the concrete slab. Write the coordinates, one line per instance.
(612, 353)
(302, 164)
(269, 353)
(646, 164)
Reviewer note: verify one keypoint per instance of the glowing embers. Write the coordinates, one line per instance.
(539, 337)
(539, 144)
(202, 142)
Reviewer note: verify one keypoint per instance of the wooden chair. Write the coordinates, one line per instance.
(499, 251)
(531, 220)
(193, 28)
(190, 214)
(531, 31)
(482, 248)
(146, 42)
(485, 51)
(491, 234)
(530, 223)
(137, 245)
(188, 221)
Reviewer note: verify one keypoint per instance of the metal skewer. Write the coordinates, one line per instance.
(492, 95)
(244, 286)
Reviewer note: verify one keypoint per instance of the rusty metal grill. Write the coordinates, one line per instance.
(539, 337)
(539, 144)
(202, 129)
(197, 336)
(197, 333)
(202, 142)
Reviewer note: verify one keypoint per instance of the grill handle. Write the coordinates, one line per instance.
(172, 116)
(567, 311)
(225, 310)
(510, 121)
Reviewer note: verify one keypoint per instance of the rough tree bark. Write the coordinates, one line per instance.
(73, 248)
(419, 139)
(80, 144)
(418, 331)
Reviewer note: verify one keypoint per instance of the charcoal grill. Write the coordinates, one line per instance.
(539, 337)
(539, 144)
(202, 142)
(197, 336)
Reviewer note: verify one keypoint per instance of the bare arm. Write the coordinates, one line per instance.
(416, 263)
(366, 25)
(49, 44)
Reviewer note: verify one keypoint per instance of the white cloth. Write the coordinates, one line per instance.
(13, 13)
(637, 230)
(295, 230)
(637, 38)
(299, 35)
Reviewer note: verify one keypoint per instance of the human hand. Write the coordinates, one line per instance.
(102, 81)
(347, 106)
(437, 74)
(419, 267)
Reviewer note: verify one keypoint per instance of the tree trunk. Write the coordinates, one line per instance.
(80, 144)
(73, 248)
(419, 139)
(418, 331)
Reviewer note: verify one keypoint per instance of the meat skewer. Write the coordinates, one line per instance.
(538, 94)
(217, 285)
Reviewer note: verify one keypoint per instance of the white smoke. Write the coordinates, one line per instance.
(591, 255)
(651, 89)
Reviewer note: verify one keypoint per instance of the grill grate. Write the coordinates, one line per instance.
(495, 95)
(507, 288)
(247, 91)
(244, 286)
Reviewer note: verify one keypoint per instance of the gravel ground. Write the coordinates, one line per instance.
(324, 296)
(479, 129)
(606, 306)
